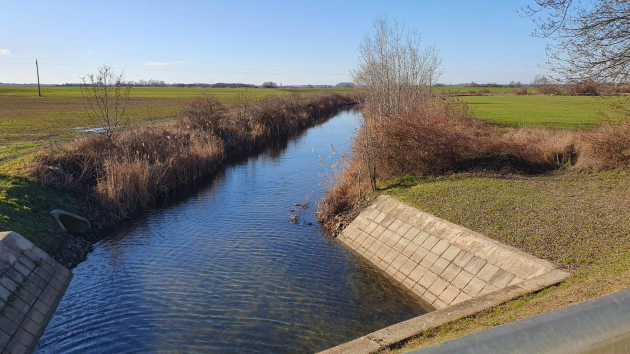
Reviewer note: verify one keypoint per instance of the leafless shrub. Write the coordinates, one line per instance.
(106, 96)
(204, 112)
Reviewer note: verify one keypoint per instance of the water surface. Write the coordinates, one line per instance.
(224, 270)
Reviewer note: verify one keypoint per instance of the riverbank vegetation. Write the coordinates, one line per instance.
(28, 122)
(147, 163)
(560, 194)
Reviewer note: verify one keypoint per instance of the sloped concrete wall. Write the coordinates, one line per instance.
(31, 286)
(441, 262)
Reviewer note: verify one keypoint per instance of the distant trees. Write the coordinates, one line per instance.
(345, 84)
(269, 84)
(591, 39)
(106, 96)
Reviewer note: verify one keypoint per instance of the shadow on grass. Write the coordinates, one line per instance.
(25, 207)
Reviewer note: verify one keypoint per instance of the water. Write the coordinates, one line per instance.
(224, 270)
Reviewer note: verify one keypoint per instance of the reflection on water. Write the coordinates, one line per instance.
(224, 271)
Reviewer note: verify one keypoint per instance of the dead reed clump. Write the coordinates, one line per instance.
(605, 148)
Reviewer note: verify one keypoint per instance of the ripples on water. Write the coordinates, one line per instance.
(225, 271)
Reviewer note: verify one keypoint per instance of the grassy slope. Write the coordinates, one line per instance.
(559, 112)
(28, 122)
(578, 221)
(25, 207)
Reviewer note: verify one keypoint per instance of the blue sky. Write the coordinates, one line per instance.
(290, 42)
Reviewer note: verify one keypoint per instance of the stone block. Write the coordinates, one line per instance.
(451, 253)
(402, 230)
(463, 258)
(15, 347)
(487, 272)
(24, 337)
(395, 225)
(378, 231)
(461, 298)
(438, 286)
(430, 242)
(8, 326)
(417, 273)
(475, 285)
(419, 254)
(412, 233)
(13, 314)
(439, 265)
(450, 272)
(429, 259)
(449, 294)
(390, 256)
(439, 304)
(14, 275)
(410, 249)
(462, 279)
(501, 279)
(401, 244)
(419, 290)
(440, 247)
(428, 279)
(8, 283)
(399, 261)
(408, 267)
(489, 288)
(429, 297)
(370, 227)
(474, 266)
(4, 293)
(420, 237)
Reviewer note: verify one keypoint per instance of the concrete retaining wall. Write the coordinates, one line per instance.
(442, 263)
(31, 286)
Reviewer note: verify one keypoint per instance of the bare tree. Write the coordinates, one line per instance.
(269, 84)
(106, 96)
(395, 74)
(590, 39)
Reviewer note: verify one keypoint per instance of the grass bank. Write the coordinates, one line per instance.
(579, 221)
(28, 122)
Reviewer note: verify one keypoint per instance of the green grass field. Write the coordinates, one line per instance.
(473, 89)
(558, 112)
(28, 122)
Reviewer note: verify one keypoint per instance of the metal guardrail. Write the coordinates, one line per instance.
(601, 325)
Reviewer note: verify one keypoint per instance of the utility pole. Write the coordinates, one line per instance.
(38, 88)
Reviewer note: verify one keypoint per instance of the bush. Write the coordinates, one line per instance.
(606, 148)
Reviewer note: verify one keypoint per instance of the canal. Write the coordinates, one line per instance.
(224, 269)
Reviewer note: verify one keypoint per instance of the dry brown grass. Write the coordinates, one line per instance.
(150, 162)
(606, 148)
(442, 138)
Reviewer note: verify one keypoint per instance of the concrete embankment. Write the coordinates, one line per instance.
(456, 270)
(31, 286)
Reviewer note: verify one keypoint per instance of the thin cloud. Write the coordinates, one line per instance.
(5, 52)
(90, 51)
(164, 63)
